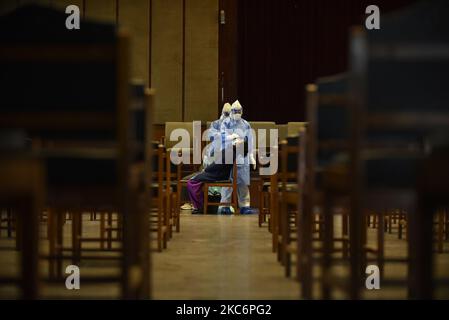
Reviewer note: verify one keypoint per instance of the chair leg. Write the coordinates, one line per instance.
(206, 198)
(440, 244)
(165, 240)
(261, 209)
(327, 247)
(288, 266)
(9, 223)
(75, 238)
(159, 230)
(284, 237)
(102, 230)
(178, 213)
(109, 231)
(169, 221)
(235, 201)
(18, 228)
(380, 246)
(390, 222)
(446, 224)
(400, 228)
(305, 250)
(29, 230)
(345, 233)
(421, 243)
(51, 232)
(78, 230)
(59, 242)
(274, 221)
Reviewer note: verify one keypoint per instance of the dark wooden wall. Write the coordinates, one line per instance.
(285, 44)
(228, 53)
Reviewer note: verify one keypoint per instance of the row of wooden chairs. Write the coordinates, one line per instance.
(287, 192)
(88, 153)
(374, 154)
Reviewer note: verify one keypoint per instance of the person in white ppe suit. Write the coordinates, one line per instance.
(238, 130)
(214, 135)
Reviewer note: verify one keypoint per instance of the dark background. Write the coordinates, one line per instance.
(285, 44)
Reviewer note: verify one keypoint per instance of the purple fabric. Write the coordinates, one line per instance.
(195, 190)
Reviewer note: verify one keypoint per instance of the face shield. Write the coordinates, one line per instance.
(236, 114)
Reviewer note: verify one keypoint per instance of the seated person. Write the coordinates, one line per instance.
(213, 172)
(213, 134)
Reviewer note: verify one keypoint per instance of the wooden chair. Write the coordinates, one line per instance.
(7, 222)
(266, 183)
(173, 191)
(326, 142)
(232, 183)
(330, 142)
(140, 104)
(22, 189)
(282, 131)
(176, 173)
(267, 190)
(290, 189)
(159, 214)
(294, 127)
(406, 110)
(259, 128)
(83, 124)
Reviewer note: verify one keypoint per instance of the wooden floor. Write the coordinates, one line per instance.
(214, 257)
(221, 257)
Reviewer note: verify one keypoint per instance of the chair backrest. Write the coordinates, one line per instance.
(294, 128)
(70, 89)
(289, 159)
(263, 126)
(141, 103)
(171, 126)
(67, 88)
(400, 78)
(59, 84)
(400, 92)
(328, 119)
(282, 131)
(328, 128)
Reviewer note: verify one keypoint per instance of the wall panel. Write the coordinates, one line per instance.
(166, 59)
(201, 60)
(62, 4)
(102, 10)
(7, 6)
(283, 45)
(134, 18)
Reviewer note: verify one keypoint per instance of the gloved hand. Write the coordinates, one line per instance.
(237, 141)
(252, 161)
(232, 137)
(206, 161)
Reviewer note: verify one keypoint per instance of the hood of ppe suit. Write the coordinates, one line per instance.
(236, 111)
(226, 111)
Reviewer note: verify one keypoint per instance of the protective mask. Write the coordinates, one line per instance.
(236, 116)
